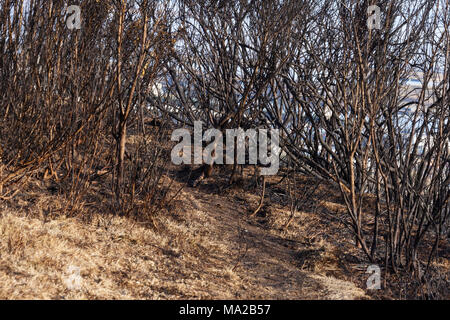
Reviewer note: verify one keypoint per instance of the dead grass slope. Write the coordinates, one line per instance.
(205, 248)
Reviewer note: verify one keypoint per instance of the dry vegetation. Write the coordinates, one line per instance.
(203, 245)
(88, 185)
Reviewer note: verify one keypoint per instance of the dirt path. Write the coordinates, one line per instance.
(265, 261)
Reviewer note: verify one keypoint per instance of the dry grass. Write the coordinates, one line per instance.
(118, 260)
(205, 248)
(329, 250)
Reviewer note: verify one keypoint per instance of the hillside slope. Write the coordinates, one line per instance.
(206, 247)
